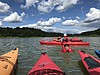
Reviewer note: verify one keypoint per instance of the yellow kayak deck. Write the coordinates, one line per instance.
(8, 61)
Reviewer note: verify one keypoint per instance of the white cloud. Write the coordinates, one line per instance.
(75, 23)
(93, 14)
(22, 6)
(82, 27)
(91, 22)
(67, 30)
(29, 25)
(43, 25)
(77, 17)
(70, 22)
(14, 17)
(4, 7)
(59, 5)
(54, 29)
(33, 26)
(47, 6)
(1, 23)
(23, 14)
(50, 22)
(29, 3)
(65, 4)
(63, 18)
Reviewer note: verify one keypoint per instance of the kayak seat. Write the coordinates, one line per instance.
(91, 63)
(47, 72)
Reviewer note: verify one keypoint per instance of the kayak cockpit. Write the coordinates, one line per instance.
(47, 72)
(91, 62)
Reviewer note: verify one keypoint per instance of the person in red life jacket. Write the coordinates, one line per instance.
(66, 48)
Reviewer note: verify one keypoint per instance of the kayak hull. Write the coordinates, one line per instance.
(91, 63)
(8, 61)
(62, 43)
(97, 52)
(45, 66)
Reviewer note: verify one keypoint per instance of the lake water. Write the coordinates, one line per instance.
(30, 50)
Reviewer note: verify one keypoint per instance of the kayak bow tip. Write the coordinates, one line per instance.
(82, 51)
(16, 48)
(43, 53)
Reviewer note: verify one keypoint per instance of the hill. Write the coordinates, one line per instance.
(89, 33)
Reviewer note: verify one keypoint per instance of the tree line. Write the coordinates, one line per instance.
(26, 32)
(90, 33)
(32, 32)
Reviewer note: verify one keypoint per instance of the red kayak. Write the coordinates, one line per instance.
(45, 66)
(91, 63)
(75, 39)
(62, 43)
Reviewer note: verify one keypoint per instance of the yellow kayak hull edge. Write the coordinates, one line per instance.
(8, 61)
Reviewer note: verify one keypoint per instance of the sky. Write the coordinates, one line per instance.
(61, 16)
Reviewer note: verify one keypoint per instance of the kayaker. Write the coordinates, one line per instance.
(66, 38)
(66, 48)
(58, 39)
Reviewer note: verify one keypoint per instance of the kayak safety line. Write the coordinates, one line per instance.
(2, 58)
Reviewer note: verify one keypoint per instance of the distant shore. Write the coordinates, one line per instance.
(31, 32)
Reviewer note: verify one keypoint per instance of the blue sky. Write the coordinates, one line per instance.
(64, 16)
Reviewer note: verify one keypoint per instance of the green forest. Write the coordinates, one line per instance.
(31, 32)
(26, 32)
